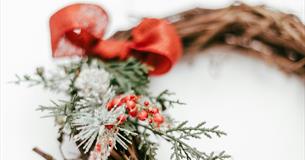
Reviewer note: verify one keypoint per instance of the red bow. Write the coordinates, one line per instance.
(77, 30)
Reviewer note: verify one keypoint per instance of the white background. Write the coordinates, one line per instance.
(261, 108)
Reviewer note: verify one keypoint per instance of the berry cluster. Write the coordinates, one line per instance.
(135, 108)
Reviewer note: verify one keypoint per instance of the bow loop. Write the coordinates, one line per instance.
(77, 30)
(160, 43)
(75, 27)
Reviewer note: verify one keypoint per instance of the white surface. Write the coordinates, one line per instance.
(260, 108)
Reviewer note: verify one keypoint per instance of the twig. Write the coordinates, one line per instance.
(132, 152)
(115, 155)
(43, 154)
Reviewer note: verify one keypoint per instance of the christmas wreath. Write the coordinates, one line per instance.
(109, 111)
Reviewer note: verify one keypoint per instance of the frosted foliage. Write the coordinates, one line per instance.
(92, 125)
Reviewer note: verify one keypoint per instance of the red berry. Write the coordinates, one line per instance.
(133, 97)
(158, 118)
(116, 101)
(122, 118)
(130, 98)
(130, 105)
(142, 115)
(133, 112)
(109, 126)
(98, 147)
(150, 120)
(146, 103)
(109, 105)
(123, 100)
(153, 110)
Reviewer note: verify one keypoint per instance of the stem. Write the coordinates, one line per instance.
(115, 155)
(132, 152)
(43, 154)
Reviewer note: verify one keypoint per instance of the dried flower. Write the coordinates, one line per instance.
(92, 82)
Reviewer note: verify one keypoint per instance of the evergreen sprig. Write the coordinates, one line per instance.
(128, 76)
(37, 79)
(63, 111)
(52, 81)
(182, 150)
(165, 102)
(187, 132)
(148, 147)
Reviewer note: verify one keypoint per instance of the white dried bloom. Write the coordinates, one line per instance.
(92, 82)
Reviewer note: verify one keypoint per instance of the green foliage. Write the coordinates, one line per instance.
(128, 76)
(164, 101)
(38, 78)
(64, 73)
(182, 150)
(63, 112)
(148, 147)
(196, 131)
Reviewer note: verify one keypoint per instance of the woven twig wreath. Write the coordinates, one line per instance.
(276, 37)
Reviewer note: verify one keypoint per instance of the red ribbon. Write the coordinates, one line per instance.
(77, 30)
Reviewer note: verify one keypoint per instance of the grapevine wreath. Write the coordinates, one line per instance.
(109, 112)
